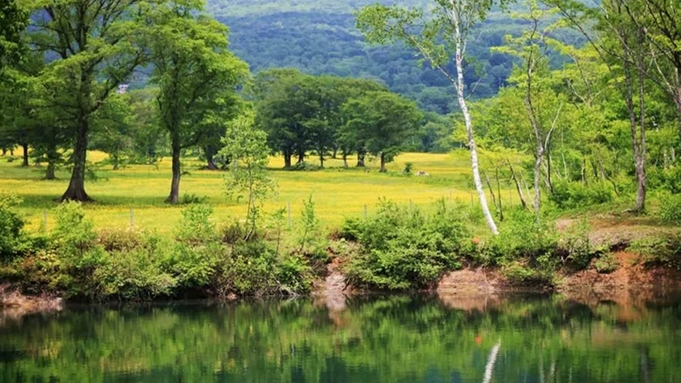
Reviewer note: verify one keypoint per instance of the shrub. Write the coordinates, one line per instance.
(570, 195)
(575, 245)
(520, 236)
(666, 179)
(12, 238)
(195, 255)
(250, 268)
(113, 240)
(662, 250)
(136, 273)
(79, 254)
(408, 168)
(311, 241)
(403, 248)
(606, 263)
(670, 208)
(188, 199)
(196, 226)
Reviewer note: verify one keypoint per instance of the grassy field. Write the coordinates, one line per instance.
(337, 192)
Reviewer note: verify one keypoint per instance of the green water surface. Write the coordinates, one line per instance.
(369, 340)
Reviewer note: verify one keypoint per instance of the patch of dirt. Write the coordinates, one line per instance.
(631, 278)
(14, 304)
(469, 282)
(334, 289)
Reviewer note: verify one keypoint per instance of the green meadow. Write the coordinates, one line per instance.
(337, 192)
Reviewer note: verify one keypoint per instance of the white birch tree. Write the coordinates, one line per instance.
(438, 35)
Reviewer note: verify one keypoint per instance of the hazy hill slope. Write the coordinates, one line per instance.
(319, 37)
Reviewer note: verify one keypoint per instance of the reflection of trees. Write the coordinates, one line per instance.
(393, 339)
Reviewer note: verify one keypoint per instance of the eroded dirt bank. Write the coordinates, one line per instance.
(14, 304)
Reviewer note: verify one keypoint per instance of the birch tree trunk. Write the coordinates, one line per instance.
(460, 43)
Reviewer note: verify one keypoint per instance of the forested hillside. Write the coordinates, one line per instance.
(319, 37)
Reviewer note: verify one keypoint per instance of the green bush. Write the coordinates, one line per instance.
(520, 236)
(196, 227)
(662, 250)
(670, 208)
(312, 242)
(575, 245)
(403, 248)
(606, 263)
(79, 254)
(250, 268)
(12, 239)
(665, 179)
(570, 195)
(189, 199)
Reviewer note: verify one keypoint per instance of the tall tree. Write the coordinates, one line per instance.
(383, 122)
(196, 75)
(438, 36)
(92, 45)
(620, 43)
(13, 20)
(531, 47)
(277, 103)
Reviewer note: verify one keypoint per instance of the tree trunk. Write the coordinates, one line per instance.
(174, 197)
(638, 149)
(382, 163)
(76, 188)
(677, 101)
(210, 161)
(51, 162)
(301, 156)
(321, 160)
(517, 185)
(334, 154)
(287, 159)
(24, 148)
(469, 132)
(49, 172)
(345, 160)
(360, 160)
(537, 186)
(549, 179)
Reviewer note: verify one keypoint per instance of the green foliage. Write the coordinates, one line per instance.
(248, 175)
(11, 225)
(660, 250)
(191, 198)
(79, 255)
(311, 239)
(670, 208)
(570, 195)
(408, 168)
(606, 263)
(576, 244)
(404, 248)
(520, 236)
(135, 268)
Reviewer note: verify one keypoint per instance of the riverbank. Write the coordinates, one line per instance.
(397, 249)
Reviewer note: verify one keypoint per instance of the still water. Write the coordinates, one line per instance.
(369, 340)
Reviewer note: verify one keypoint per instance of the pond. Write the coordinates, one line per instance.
(364, 340)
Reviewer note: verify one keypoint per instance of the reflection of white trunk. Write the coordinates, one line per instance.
(460, 46)
(490, 362)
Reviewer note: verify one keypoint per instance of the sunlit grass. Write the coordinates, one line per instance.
(337, 192)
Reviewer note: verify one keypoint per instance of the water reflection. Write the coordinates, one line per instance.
(391, 339)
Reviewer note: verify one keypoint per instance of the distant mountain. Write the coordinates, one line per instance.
(319, 37)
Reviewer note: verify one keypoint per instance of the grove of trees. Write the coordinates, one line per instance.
(591, 94)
